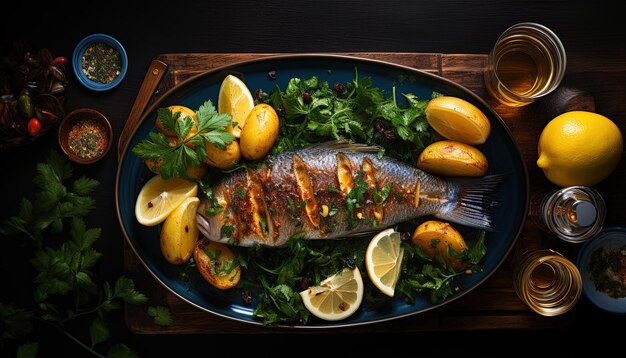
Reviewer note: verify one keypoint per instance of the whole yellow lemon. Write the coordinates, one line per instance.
(579, 148)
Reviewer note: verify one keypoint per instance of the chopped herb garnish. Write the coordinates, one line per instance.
(101, 63)
(218, 267)
(380, 196)
(214, 207)
(241, 193)
(227, 230)
(356, 197)
(263, 225)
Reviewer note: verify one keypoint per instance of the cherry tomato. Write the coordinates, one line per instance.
(59, 61)
(34, 126)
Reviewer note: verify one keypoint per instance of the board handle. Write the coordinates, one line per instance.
(148, 86)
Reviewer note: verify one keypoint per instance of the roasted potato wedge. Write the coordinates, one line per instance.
(223, 158)
(451, 158)
(434, 237)
(179, 233)
(259, 133)
(216, 263)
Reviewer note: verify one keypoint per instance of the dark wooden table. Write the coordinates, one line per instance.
(592, 35)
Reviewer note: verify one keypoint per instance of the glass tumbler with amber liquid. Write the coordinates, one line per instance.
(526, 63)
(547, 282)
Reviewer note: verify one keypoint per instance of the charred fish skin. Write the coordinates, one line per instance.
(337, 190)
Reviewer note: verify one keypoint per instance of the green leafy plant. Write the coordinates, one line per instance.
(66, 291)
(284, 272)
(313, 111)
(176, 158)
(161, 315)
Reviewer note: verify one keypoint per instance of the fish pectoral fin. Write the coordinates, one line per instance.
(202, 224)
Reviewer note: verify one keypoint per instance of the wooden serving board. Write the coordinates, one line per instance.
(494, 304)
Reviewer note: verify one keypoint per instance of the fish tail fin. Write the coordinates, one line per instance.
(473, 202)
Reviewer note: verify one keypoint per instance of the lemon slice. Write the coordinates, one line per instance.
(383, 260)
(159, 197)
(235, 99)
(457, 119)
(337, 297)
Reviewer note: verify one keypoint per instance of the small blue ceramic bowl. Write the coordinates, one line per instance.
(77, 57)
(608, 238)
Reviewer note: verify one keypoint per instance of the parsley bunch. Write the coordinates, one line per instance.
(65, 290)
(189, 148)
(286, 271)
(313, 112)
(421, 274)
(283, 272)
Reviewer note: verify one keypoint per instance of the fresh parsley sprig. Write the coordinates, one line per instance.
(189, 148)
(54, 202)
(65, 290)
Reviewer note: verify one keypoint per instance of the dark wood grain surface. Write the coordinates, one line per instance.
(592, 33)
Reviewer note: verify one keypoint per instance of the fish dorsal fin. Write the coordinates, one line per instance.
(346, 146)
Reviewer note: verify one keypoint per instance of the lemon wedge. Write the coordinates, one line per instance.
(337, 297)
(159, 197)
(456, 119)
(180, 233)
(234, 98)
(383, 260)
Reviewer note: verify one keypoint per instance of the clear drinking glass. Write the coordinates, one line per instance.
(547, 282)
(574, 214)
(526, 63)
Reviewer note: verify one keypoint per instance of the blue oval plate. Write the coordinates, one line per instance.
(501, 151)
(608, 238)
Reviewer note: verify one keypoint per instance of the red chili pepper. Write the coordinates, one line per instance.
(34, 126)
(59, 61)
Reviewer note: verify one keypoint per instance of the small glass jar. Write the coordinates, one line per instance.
(547, 282)
(574, 214)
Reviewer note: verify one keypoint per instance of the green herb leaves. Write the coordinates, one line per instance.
(65, 288)
(421, 274)
(161, 315)
(53, 202)
(213, 207)
(357, 111)
(189, 147)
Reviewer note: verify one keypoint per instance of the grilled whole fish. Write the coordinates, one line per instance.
(335, 190)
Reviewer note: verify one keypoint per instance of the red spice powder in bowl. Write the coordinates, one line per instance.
(85, 135)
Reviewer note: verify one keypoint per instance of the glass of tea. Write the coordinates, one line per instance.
(526, 63)
(547, 282)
